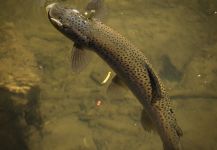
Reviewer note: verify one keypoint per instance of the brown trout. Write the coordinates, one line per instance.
(129, 63)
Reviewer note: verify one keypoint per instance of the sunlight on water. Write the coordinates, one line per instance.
(44, 105)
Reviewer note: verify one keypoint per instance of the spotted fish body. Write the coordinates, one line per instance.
(129, 63)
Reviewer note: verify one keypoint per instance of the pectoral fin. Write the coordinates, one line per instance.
(80, 58)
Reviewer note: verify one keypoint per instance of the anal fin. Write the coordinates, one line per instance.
(146, 122)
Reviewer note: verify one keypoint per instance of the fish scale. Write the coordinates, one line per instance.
(129, 63)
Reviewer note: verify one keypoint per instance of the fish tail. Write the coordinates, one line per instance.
(167, 127)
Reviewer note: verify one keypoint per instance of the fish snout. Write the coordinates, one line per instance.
(48, 7)
(54, 12)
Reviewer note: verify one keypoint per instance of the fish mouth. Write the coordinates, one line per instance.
(53, 20)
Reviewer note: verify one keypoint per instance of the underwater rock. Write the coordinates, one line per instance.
(19, 90)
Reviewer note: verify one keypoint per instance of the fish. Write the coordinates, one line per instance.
(129, 63)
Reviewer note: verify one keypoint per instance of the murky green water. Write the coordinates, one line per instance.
(179, 38)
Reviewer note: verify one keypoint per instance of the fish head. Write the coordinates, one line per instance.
(70, 22)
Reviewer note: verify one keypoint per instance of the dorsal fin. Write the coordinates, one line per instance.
(155, 83)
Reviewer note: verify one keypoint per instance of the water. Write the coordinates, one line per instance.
(60, 110)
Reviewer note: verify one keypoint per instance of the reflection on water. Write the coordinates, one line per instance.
(45, 106)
